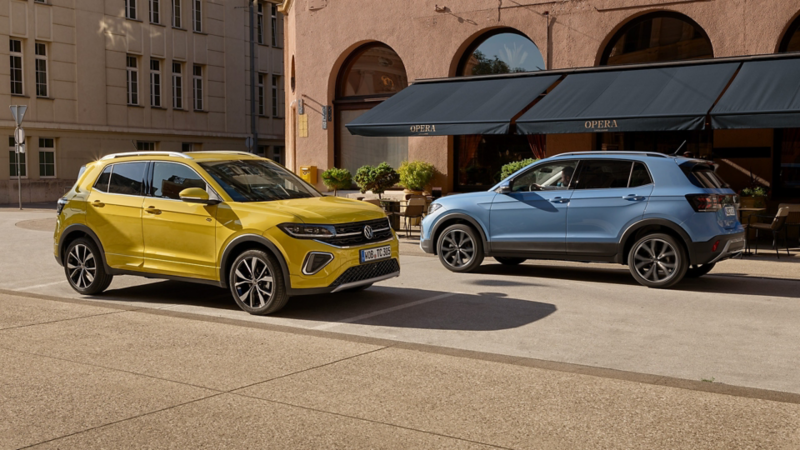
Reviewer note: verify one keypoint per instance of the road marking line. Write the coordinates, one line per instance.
(39, 285)
(385, 311)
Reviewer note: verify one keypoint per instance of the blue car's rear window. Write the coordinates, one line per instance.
(703, 175)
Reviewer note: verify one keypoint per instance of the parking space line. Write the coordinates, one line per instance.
(385, 311)
(39, 285)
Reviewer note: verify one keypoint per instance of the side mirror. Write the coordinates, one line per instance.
(504, 189)
(197, 195)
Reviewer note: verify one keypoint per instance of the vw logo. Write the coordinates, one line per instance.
(368, 232)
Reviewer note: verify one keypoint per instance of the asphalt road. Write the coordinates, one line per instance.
(726, 327)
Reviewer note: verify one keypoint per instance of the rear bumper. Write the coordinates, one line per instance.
(729, 246)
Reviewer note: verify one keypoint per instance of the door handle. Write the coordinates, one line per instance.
(633, 198)
(559, 200)
(152, 210)
(98, 204)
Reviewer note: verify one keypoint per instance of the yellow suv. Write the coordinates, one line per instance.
(229, 219)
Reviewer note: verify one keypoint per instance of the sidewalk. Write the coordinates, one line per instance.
(79, 375)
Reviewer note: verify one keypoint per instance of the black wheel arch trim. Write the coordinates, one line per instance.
(80, 228)
(687, 241)
(226, 254)
(446, 218)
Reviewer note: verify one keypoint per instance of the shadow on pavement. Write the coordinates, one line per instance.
(172, 292)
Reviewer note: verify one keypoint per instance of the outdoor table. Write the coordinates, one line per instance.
(744, 214)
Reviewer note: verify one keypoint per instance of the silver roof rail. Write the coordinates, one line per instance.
(230, 152)
(600, 153)
(146, 153)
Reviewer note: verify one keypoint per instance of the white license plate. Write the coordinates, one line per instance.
(730, 211)
(374, 254)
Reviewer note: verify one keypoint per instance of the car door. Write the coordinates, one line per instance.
(114, 213)
(531, 217)
(608, 195)
(179, 237)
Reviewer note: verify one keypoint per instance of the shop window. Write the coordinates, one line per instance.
(661, 36)
(479, 159)
(786, 173)
(370, 75)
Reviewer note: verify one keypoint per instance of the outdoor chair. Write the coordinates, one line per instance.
(793, 221)
(777, 225)
(415, 209)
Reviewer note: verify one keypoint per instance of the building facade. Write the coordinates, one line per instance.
(105, 76)
(349, 56)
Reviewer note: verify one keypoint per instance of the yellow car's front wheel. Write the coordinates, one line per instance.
(257, 283)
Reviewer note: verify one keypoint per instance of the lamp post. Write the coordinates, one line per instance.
(18, 111)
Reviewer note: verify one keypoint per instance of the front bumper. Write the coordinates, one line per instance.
(730, 246)
(426, 245)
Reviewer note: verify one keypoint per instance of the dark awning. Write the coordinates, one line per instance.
(764, 94)
(453, 107)
(644, 99)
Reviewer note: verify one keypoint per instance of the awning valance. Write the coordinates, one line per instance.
(764, 94)
(456, 106)
(643, 99)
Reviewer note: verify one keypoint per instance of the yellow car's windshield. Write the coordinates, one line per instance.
(254, 180)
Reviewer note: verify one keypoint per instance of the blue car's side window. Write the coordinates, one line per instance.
(555, 176)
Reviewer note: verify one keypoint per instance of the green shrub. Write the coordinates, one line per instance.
(416, 175)
(376, 179)
(336, 179)
(757, 191)
(512, 167)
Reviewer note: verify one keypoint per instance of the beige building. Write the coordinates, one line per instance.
(352, 55)
(104, 76)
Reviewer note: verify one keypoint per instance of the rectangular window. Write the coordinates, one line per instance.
(197, 15)
(130, 9)
(176, 13)
(155, 82)
(191, 147)
(261, 108)
(274, 16)
(197, 87)
(145, 146)
(15, 49)
(12, 159)
(47, 157)
(133, 80)
(275, 96)
(155, 10)
(277, 154)
(603, 174)
(260, 22)
(177, 85)
(41, 69)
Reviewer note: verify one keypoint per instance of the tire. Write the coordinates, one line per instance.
(460, 248)
(257, 284)
(510, 261)
(658, 261)
(699, 271)
(83, 265)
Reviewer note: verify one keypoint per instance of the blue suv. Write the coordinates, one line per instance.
(665, 217)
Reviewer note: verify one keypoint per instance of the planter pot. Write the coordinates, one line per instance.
(753, 202)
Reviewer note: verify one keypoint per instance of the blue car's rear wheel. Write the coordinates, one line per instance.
(658, 261)
(460, 249)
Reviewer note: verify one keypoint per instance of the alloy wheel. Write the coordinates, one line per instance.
(253, 282)
(82, 266)
(656, 260)
(458, 249)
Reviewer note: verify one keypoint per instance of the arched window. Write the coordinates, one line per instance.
(372, 73)
(791, 40)
(659, 36)
(479, 159)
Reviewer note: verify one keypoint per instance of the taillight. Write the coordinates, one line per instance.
(705, 202)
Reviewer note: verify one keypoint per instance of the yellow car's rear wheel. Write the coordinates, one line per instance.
(257, 283)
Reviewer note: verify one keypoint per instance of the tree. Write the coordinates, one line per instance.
(376, 179)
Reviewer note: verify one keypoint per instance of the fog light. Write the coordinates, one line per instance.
(714, 247)
(316, 261)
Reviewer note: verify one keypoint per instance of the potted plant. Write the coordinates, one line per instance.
(512, 167)
(376, 179)
(753, 197)
(335, 179)
(415, 176)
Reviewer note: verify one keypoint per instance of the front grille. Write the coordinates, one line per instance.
(360, 239)
(367, 271)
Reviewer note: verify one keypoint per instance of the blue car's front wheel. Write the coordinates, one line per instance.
(459, 248)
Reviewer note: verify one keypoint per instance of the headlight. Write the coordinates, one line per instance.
(301, 231)
(434, 207)
(61, 203)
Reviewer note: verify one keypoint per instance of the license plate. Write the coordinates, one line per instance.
(374, 254)
(730, 211)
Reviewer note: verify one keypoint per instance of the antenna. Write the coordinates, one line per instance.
(133, 143)
(679, 147)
